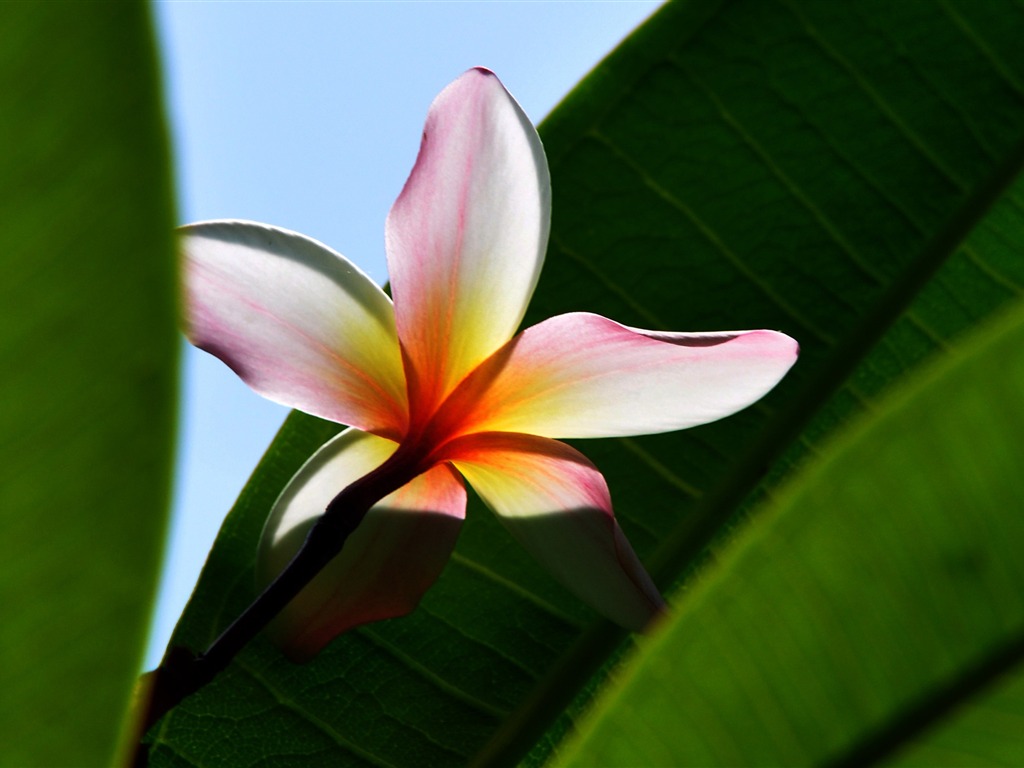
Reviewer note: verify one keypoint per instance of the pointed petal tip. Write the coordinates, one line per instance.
(582, 375)
(779, 347)
(466, 238)
(476, 82)
(775, 347)
(778, 342)
(645, 587)
(556, 503)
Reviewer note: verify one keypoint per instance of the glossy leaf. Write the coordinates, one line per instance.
(869, 612)
(88, 344)
(808, 167)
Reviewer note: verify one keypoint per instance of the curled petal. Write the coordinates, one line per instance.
(466, 237)
(296, 321)
(556, 503)
(387, 564)
(582, 375)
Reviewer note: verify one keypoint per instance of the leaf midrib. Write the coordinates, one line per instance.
(933, 706)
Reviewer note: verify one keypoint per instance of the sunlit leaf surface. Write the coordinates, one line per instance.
(803, 166)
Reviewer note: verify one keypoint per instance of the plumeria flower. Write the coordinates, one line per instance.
(436, 389)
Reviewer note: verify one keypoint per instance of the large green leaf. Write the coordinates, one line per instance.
(88, 348)
(881, 593)
(809, 167)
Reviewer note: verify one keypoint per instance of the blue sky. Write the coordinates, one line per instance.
(308, 115)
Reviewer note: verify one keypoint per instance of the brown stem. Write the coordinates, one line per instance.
(182, 673)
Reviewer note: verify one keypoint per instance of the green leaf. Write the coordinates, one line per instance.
(811, 167)
(88, 348)
(879, 594)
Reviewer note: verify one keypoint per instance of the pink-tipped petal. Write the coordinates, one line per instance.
(582, 375)
(467, 236)
(296, 321)
(556, 504)
(387, 564)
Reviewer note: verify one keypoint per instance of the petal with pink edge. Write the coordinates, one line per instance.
(467, 235)
(296, 321)
(556, 504)
(387, 564)
(582, 375)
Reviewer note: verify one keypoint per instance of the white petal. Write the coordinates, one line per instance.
(582, 375)
(556, 504)
(296, 321)
(467, 236)
(385, 566)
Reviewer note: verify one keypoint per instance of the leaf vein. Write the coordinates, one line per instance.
(610, 285)
(782, 177)
(879, 101)
(967, 31)
(312, 719)
(487, 573)
(712, 237)
(991, 272)
(429, 675)
(660, 469)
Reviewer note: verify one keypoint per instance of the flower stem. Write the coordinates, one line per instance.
(182, 673)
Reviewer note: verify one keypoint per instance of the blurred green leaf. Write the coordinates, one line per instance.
(879, 594)
(985, 731)
(811, 167)
(88, 348)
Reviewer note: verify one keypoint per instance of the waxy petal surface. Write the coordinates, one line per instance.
(556, 504)
(439, 373)
(467, 236)
(296, 321)
(582, 375)
(395, 554)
